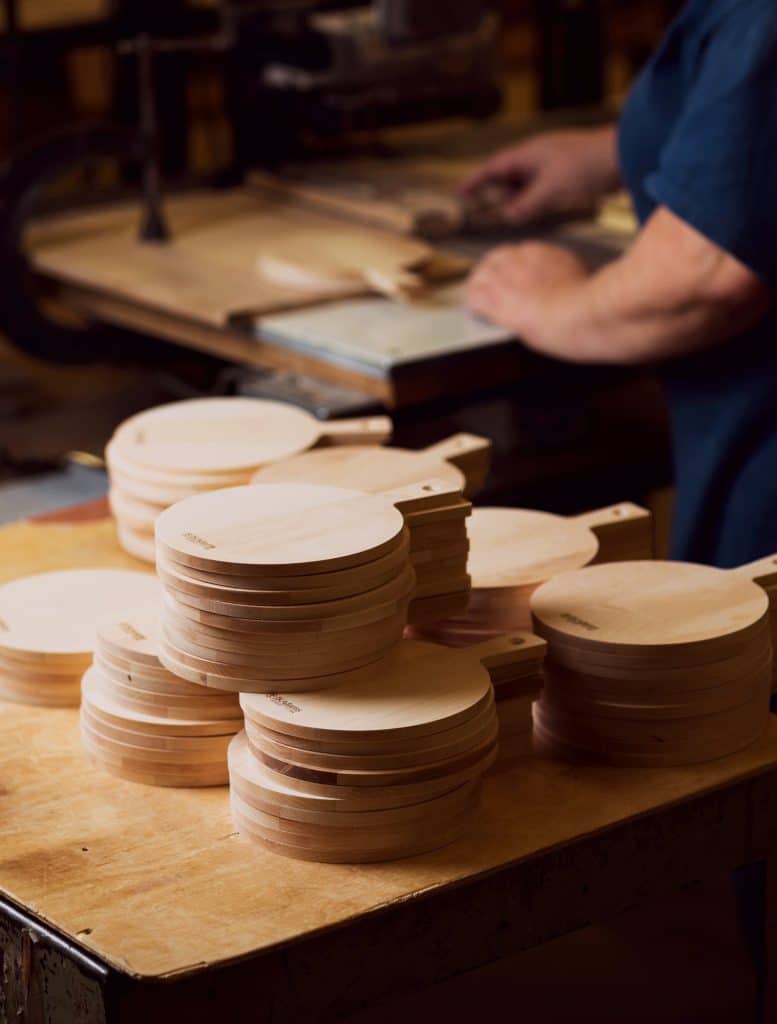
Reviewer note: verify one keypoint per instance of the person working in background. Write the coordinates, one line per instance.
(696, 146)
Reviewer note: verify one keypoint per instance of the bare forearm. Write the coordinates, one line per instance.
(673, 293)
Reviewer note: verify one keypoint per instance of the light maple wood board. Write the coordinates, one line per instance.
(101, 706)
(139, 545)
(226, 678)
(179, 581)
(389, 596)
(54, 616)
(316, 836)
(373, 744)
(209, 272)
(364, 641)
(222, 437)
(259, 784)
(276, 842)
(295, 676)
(520, 547)
(280, 527)
(420, 689)
(374, 469)
(446, 750)
(132, 734)
(650, 608)
(103, 737)
(367, 575)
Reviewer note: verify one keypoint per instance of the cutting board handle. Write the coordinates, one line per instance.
(624, 531)
(425, 496)
(459, 448)
(763, 572)
(356, 430)
(470, 454)
(517, 648)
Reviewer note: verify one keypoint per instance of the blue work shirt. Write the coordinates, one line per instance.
(698, 135)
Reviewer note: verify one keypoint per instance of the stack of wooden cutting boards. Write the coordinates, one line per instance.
(48, 626)
(655, 663)
(370, 770)
(141, 722)
(438, 542)
(291, 586)
(174, 451)
(512, 551)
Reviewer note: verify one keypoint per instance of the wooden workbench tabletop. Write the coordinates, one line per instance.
(158, 883)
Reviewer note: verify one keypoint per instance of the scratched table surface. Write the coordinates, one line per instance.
(158, 883)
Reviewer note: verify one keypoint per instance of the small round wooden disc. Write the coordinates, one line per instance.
(244, 684)
(314, 835)
(343, 597)
(208, 748)
(101, 706)
(514, 547)
(139, 545)
(371, 573)
(374, 797)
(286, 674)
(420, 688)
(283, 529)
(368, 468)
(443, 750)
(117, 463)
(258, 783)
(339, 648)
(176, 776)
(321, 855)
(132, 514)
(192, 758)
(375, 744)
(393, 594)
(561, 691)
(289, 628)
(135, 636)
(649, 608)
(155, 494)
(215, 435)
(54, 616)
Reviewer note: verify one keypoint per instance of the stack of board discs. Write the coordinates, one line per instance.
(512, 551)
(141, 722)
(174, 451)
(654, 663)
(48, 628)
(371, 770)
(462, 461)
(292, 586)
(439, 548)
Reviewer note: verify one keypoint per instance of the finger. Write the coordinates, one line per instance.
(504, 166)
(530, 204)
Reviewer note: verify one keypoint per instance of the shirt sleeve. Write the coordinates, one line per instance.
(718, 170)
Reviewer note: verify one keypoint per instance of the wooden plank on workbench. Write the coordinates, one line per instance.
(158, 883)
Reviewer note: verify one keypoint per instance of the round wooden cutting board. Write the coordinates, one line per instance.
(362, 467)
(419, 689)
(649, 608)
(279, 529)
(54, 616)
(218, 435)
(512, 547)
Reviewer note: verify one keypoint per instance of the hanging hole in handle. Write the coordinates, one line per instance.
(428, 487)
(517, 641)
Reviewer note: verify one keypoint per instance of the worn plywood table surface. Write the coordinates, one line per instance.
(123, 886)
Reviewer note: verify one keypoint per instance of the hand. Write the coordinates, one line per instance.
(526, 288)
(557, 173)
